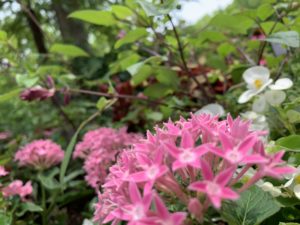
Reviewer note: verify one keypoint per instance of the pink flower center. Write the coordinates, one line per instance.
(152, 172)
(233, 156)
(213, 189)
(187, 156)
(138, 212)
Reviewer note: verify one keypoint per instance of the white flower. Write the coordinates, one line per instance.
(275, 97)
(212, 109)
(259, 122)
(294, 183)
(260, 104)
(269, 187)
(257, 79)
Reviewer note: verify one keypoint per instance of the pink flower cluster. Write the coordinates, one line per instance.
(99, 148)
(17, 188)
(193, 162)
(40, 154)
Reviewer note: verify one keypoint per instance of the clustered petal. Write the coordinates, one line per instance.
(17, 188)
(99, 148)
(195, 157)
(40, 154)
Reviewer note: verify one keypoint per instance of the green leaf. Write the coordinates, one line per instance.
(121, 11)
(141, 74)
(167, 77)
(157, 90)
(293, 116)
(9, 95)
(213, 36)
(3, 36)
(5, 218)
(49, 182)
(289, 223)
(94, 16)
(159, 9)
(102, 102)
(155, 116)
(225, 49)
(26, 81)
(225, 21)
(29, 207)
(252, 208)
(68, 50)
(265, 11)
(289, 38)
(289, 143)
(131, 37)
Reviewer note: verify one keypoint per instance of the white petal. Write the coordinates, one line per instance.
(256, 72)
(260, 104)
(297, 190)
(275, 98)
(246, 96)
(269, 187)
(289, 182)
(212, 109)
(282, 84)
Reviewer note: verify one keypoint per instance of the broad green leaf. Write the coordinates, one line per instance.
(141, 75)
(94, 16)
(281, 223)
(252, 208)
(293, 116)
(3, 36)
(23, 80)
(135, 68)
(155, 116)
(49, 182)
(131, 37)
(289, 38)
(289, 143)
(167, 77)
(68, 50)
(158, 9)
(225, 21)
(213, 36)
(29, 207)
(225, 49)
(121, 11)
(9, 95)
(265, 11)
(157, 90)
(102, 102)
(269, 25)
(5, 218)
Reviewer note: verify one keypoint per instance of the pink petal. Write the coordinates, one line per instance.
(226, 141)
(229, 194)
(252, 159)
(178, 218)
(187, 140)
(135, 195)
(138, 177)
(216, 201)
(206, 171)
(198, 186)
(247, 144)
(224, 177)
(161, 209)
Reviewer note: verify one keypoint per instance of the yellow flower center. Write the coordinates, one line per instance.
(258, 83)
(297, 179)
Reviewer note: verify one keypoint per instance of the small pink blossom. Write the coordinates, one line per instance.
(3, 172)
(215, 187)
(40, 154)
(36, 93)
(17, 188)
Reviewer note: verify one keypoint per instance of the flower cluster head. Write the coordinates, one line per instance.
(99, 148)
(17, 188)
(40, 154)
(192, 163)
(258, 79)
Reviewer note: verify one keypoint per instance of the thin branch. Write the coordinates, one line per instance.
(123, 96)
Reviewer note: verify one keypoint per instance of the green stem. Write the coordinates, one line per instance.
(44, 212)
